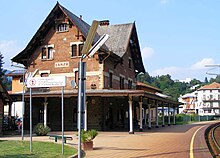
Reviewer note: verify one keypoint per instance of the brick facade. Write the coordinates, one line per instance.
(52, 52)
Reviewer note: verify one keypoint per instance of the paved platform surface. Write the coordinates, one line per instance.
(163, 142)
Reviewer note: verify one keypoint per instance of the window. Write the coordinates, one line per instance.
(211, 97)
(76, 48)
(76, 77)
(129, 62)
(129, 84)
(80, 49)
(122, 82)
(110, 79)
(47, 52)
(62, 27)
(44, 74)
(44, 53)
(50, 53)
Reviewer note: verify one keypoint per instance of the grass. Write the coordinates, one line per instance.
(16, 149)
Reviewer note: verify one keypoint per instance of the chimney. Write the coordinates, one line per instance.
(104, 23)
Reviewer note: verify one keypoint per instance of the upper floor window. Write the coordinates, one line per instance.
(43, 53)
(122, 80)
(76, 48)
(129, 84)
(129, 62)
(50, 52)
(80, 49)
(47, 52)
(110, 79)
(62, 27)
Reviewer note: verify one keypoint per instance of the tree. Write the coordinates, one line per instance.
(217, 79)
(206, 80)
(1, 66)
(5, 80)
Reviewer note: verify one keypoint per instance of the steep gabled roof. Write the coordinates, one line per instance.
(122, 36)
(211, 86)
(83, 27)
(119, 37)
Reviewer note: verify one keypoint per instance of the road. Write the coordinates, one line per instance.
(176, 141)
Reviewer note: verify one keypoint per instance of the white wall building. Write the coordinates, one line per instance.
(205, 101)
(208, 99)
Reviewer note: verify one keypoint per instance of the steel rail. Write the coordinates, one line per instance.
(213, 136)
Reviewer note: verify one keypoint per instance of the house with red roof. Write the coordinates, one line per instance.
(208, 99)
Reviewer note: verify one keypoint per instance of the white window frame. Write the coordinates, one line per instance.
(77, 45)
(62, 27)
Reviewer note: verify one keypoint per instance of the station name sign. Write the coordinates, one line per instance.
(56, 81)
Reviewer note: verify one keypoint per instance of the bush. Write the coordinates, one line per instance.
(41, 130)
(88, 136)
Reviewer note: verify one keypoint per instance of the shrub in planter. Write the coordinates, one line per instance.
(87, 139)
(41, 130)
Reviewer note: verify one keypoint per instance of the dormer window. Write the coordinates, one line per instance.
(62, 27)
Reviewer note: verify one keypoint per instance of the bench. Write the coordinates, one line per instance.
(60, 137)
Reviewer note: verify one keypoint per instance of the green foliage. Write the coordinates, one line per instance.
(1, 65)
(88, 136)
(174, 88)
(41, 130)
(5, 80)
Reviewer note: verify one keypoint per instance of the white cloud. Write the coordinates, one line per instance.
(147, 52)
(201, 64)
(166, 70)
(197, 70)
(9, 49)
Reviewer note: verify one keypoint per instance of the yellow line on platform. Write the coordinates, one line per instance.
(192, 142)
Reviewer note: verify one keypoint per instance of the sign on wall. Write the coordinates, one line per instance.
(56, 81)
(61, 64)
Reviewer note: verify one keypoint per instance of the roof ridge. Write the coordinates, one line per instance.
(121, 24)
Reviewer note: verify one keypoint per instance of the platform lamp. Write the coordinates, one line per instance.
(86, 51)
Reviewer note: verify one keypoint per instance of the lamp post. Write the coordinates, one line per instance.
(82, 73)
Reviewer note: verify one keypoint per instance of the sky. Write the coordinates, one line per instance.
(176, 37)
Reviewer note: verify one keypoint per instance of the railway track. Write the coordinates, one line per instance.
(212, 135)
